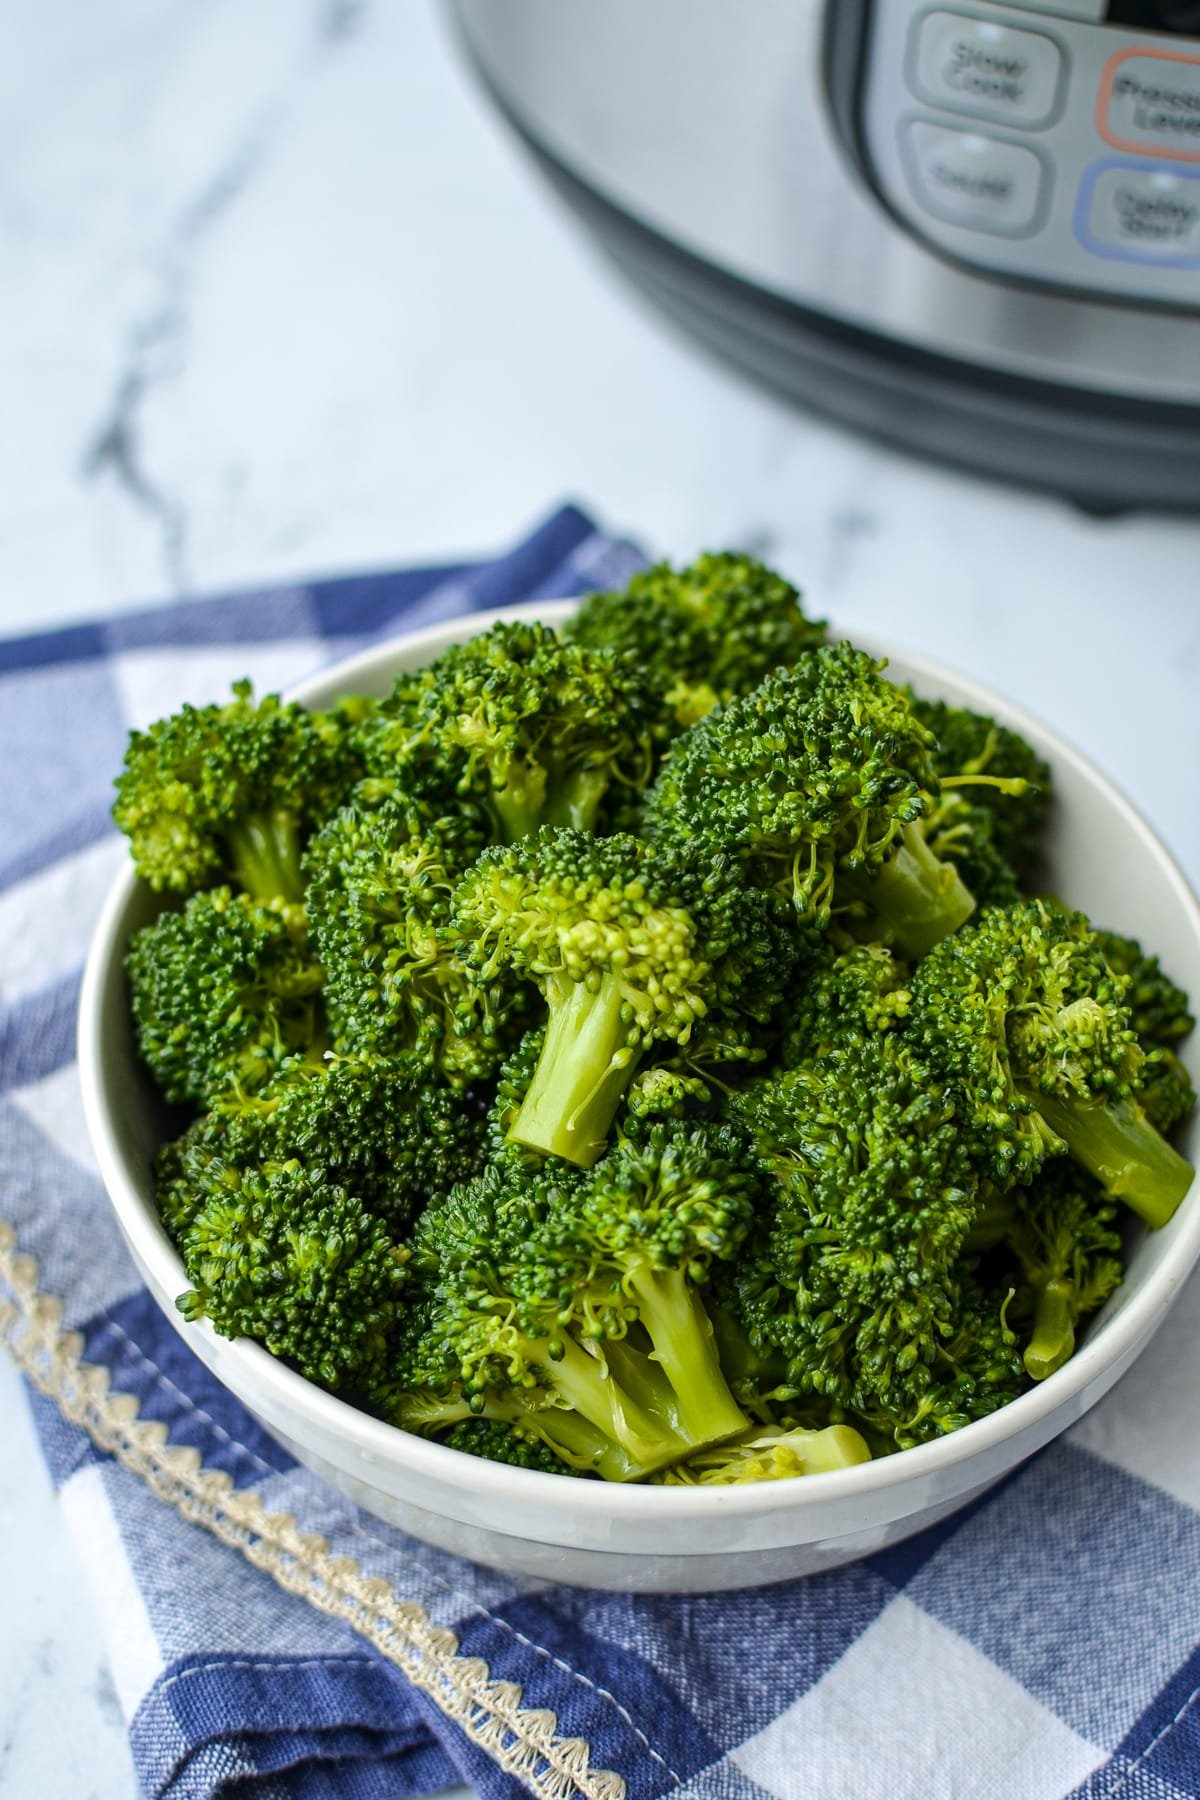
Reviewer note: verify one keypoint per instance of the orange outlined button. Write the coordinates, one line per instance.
(1150, 102)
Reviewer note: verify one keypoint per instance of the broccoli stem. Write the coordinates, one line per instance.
(919, 898)
(266, 856)
(672, 1314)
(1115, 1142)
(519, 799)
(1053, 1338)
(587, 1384)
(567, 1434)
(532, 796)
(576, 1441)
(583, 1071)
(575, 798)
(992, 1223)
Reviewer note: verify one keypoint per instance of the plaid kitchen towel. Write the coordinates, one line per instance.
(271, 1641)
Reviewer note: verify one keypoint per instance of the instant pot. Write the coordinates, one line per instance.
(973, 229)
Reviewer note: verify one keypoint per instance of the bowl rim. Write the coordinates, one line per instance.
(377, 1442)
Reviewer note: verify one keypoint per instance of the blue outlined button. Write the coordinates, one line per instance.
(1140, 213)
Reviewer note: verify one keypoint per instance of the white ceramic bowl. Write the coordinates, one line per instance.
(1103, 858)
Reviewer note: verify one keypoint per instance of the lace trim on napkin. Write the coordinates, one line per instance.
(524, 1741)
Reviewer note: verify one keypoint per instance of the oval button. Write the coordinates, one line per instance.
(991, 71)
(972, 180)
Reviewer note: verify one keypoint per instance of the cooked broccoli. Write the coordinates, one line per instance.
(380, 880)
(569, 1306)
(770, 1454)
(961, 832)
(387, 1130)
(1021, 1013)
(988, 815)
(700, 634)
(995, 769)
(1069, 1253)
(222, 993)
(602, 1071)
(628, 953)
(844, 993)
(1162, 1019)
(527, 1426)
(975, 1369)
(530, 728)
(618, 961)
(281, 1255)
(230, 791)
(817, 782)
(504, 1444)
(852, 1273)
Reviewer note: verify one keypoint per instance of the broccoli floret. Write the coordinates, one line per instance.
(653, 1216)
(817, 782)
(1162, 1019)
(961, 832)
(222, 993)
(997, 770)
(1160, 1010)
(700, 634)
(844, 994)
(629, 951)
(520, 723)
(620, 964)
(976, 1368)
(1021, 1012)
(988, 816)
(568, 1306)
(380, 881)
(851, 1271)
(230, 791)
(501, 1443)
(770, 1454)
(1068, 1250)
(512, 1085)
(280, 1255)
(386, 1130)
(526, 1425)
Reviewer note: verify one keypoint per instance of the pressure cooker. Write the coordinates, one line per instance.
(971, 227)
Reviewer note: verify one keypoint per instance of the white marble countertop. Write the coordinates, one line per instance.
(278, 296)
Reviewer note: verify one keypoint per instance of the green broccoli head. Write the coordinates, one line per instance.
(669, 1201)
(1162, 1018)
(522, 724)
(846, 992)
(563, 1294)
(508, 1443)
(595, 924)
(994, 769)
(387, 1130)
(976, 1369)
(1068, 1250)
(280, 1255)
(380, 881)
(816, 783)
(700, 634)
(1021, 1012)
(230, 791)
(223, 993)
(849, 1274)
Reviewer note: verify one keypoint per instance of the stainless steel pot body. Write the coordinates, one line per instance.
(748, 165)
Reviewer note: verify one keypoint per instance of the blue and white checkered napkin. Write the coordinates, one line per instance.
(1042, 1643)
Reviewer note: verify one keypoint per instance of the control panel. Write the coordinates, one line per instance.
(1053, 140)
